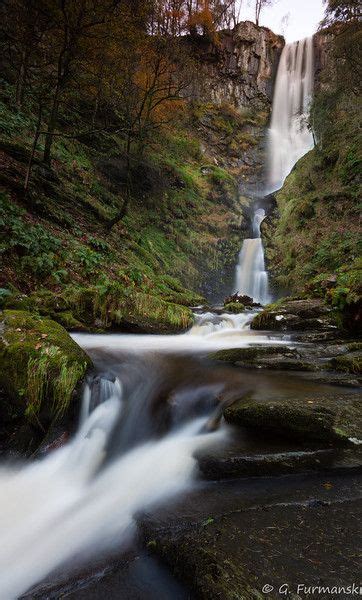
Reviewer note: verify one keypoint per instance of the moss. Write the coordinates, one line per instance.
(40, 367)
(234, 307)
(235, 355)
(155, 315)
(354, 346)
(348, 363)
(323, 418)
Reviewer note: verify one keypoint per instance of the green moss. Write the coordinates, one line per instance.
(234, 307)
(235, 355)
(40, 367)
(348, 363)
(324, 418)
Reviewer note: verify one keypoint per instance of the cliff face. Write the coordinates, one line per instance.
(239, 72)
(240, 69)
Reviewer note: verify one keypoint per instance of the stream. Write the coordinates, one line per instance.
(151, 407)
(149, 411)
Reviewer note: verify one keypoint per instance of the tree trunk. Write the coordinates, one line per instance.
(33, 149)
(123, 211)
(51, 128)
(21, 80)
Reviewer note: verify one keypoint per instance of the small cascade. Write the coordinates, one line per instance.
(97, 391)
(251, 277)
(289, 136)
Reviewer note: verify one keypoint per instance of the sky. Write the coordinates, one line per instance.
(303, 17)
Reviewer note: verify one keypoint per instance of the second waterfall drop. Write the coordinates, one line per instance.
(251, 276)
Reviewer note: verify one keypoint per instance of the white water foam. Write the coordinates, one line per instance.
(289, 135)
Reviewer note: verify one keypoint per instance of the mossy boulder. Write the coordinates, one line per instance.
(348, 363)
(234, 307)
(295, 315)
(334, 418)
(41, 367)
(250, 354)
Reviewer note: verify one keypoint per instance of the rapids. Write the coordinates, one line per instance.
(134, 448)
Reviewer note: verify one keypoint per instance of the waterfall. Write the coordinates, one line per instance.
(289, 136)
(251, 277)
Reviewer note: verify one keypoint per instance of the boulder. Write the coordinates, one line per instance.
(234, 307)
(41, 370)
(333, 418)
(296, 315)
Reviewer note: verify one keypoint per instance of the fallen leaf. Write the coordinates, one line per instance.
(44, 335)
(328, 485)
(38, 346)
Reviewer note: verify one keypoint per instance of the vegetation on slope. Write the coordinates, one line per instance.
(313, 242)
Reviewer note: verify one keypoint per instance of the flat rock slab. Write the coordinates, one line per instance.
(334, 418)
(234, 556)
(233, 465)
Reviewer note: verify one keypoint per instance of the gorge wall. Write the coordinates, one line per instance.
(312, 239)
(239, 70)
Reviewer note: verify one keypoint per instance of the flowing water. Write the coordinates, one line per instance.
(142, 420)
(251, 276)
(147, 410)
(289, 136)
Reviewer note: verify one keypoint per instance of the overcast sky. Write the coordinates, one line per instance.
(303, 17)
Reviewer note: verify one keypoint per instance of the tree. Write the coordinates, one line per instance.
(259, 6)
(153, 81)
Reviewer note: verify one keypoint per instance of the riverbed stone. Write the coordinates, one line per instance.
(231, 465)
(334, 418)
(237, 554)
(41, 370)
(295, 315)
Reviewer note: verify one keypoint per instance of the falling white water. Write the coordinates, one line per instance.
(251, 277)
(83, 497)
(289, 136)
(69, 504)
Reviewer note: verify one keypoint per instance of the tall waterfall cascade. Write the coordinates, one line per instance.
(289, 136)
(251, 276)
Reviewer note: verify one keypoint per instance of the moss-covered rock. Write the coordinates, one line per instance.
(298, 315)
(348, 363)
(41, 367)
(234, 307)
(239, 355)
(112, 306)
(333, 418)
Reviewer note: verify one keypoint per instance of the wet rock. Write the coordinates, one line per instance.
(270, 357)
(237, 554)
(348, 363)
(334, 418)
(41, 371)
(239, 299)
(295, 315)
(231, 465)
(234, 307)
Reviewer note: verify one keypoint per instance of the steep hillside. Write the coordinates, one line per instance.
(313, 238)
(186, 217)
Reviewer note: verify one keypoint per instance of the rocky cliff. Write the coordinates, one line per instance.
(238, 71)
(241, 67)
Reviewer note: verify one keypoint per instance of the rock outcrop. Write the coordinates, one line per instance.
(41, 369)
(240, 69)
